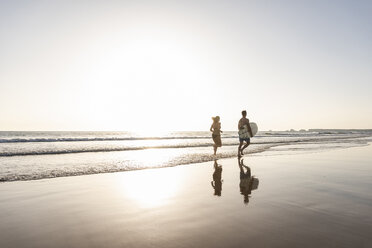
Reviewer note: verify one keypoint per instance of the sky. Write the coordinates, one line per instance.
(172, 65)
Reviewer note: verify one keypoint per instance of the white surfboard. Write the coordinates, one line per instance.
(244, 133)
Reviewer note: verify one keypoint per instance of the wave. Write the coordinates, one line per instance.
(57, 151)
(85, 139)
(25, 168)
(30, 140)
(106, 149)
(194, 158)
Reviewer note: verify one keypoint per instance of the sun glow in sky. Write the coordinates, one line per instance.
(171, 65)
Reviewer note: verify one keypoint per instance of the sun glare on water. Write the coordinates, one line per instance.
(151, 188)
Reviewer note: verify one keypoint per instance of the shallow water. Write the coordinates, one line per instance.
(37, 155)
(303, 200)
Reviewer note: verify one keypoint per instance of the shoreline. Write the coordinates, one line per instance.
(313, 199)
(252, 151)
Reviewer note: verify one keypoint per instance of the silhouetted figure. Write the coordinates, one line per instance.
(217, 181)
(247, 182)
(244, 124)
(216, 133)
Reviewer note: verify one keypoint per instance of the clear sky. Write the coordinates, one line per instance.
(172, 65)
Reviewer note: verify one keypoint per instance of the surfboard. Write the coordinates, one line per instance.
(243, 133)
(254, 128)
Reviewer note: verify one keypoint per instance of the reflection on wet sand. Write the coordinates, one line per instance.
(247, 182)
(217, 179)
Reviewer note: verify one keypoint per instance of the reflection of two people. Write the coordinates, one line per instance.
(217, 181)
(247, 182)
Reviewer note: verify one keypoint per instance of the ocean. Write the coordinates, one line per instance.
(38, 155)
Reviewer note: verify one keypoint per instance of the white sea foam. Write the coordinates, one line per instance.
(37, 155)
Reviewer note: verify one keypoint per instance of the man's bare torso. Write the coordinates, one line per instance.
(243, 121)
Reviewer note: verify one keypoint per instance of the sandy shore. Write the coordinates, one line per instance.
(303, 200)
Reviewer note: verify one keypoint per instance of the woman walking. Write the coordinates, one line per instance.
(216, 133)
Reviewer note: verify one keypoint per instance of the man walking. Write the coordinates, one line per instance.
(245, 132)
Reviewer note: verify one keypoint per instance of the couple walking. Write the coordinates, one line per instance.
(243, 137)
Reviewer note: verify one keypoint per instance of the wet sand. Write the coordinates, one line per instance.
(303, 200)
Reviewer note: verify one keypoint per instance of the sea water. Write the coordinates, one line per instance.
(37, 155)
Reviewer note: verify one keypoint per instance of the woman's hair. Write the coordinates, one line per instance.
(216, 119)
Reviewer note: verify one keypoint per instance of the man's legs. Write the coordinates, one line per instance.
(239, 148)
(245, 146)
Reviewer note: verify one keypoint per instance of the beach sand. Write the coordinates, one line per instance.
(319, 199)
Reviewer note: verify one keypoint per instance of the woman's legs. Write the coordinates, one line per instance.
(217, 143)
